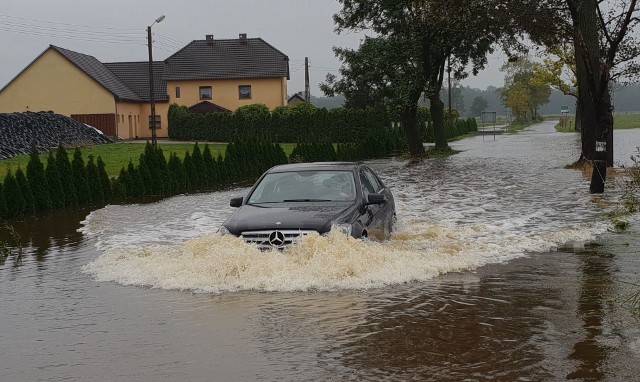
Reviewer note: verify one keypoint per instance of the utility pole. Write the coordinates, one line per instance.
(152, 101)
(449, 74)
(307, 89)
(152, 121)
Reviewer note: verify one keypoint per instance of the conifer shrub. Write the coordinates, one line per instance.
(139, 188)
(146, 179)
(118, 189)
(210, 165)
(13, 196)
(96, 195)
(126, 184)
(178, 176)
(54, 181)
(29, 207)
(199, 172)
(66, 177)
(223, 173)
(190, 172)
(148, 171)
(105, 182)
(80, 178)
(4, 212)
(38, 181)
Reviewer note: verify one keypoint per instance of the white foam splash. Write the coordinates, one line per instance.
(216, 264)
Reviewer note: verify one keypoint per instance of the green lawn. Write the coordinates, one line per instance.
(620, 122)
(626, 121)
(117, 155)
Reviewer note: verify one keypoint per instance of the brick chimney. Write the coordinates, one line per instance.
(209, 39)
(243, 38)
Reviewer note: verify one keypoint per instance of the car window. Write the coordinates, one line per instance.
(300, 186)
(367, 187)
(372, 179)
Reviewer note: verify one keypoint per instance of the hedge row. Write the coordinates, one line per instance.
(389, 142)
(74, 183)
(199, 171)
(295, 123)
(300, 123)
(452, 128)
(63, 183)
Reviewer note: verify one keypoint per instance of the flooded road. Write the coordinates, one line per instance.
(501, 268)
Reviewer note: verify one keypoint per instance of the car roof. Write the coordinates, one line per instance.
(316, 166)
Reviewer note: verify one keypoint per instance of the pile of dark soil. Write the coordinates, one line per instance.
(18, 131)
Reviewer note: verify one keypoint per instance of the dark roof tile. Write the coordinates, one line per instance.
(208, 107)
(136, 76)
(220, 59)
(97, 70)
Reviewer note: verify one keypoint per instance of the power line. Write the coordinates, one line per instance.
(167, 43)
(72, 32)
(177, 42)
(299, 67)
(73, 25)
(68, 37)
(68, 31)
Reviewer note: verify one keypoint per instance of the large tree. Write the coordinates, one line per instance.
(521, 92)
(382, 72)
(603, 45)
(479, 105)
(460, 31)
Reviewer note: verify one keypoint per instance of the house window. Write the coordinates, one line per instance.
(205, 92)
(177, 91)
(244, 91)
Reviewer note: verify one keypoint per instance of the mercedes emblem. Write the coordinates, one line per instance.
(276, 238)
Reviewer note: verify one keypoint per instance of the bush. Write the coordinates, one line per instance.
(4, 212)
(66, 176)
(56, 189)
(293, 123)
(21, 179)
(16, 204)
(80, 178)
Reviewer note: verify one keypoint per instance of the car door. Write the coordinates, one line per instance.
(371, 185)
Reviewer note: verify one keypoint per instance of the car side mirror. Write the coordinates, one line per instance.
(236, 202)
(376, 199)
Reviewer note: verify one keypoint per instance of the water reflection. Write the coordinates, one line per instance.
(40, 236)
(480, 329)
(597, 295)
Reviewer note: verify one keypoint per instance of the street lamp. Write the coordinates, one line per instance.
(152, 122)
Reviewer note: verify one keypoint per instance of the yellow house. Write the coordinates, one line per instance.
(207, 75)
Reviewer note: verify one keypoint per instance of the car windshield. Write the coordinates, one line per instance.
(305, 186)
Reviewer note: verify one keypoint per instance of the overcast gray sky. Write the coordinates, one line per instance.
(115, 30)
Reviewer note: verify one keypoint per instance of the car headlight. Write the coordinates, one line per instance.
(222, 230)
(343, 228)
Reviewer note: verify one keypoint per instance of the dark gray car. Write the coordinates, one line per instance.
(293, 200)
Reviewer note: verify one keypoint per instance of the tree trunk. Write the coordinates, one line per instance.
(594, 99)
(437, 116)
(578, 124)
(409, 117)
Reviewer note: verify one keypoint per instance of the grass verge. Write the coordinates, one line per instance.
(620, 122)
(118, 155)
(515, 127)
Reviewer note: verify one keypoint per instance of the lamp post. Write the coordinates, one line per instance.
(152, 122)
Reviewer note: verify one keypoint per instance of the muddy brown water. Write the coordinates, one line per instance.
(501, 269)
